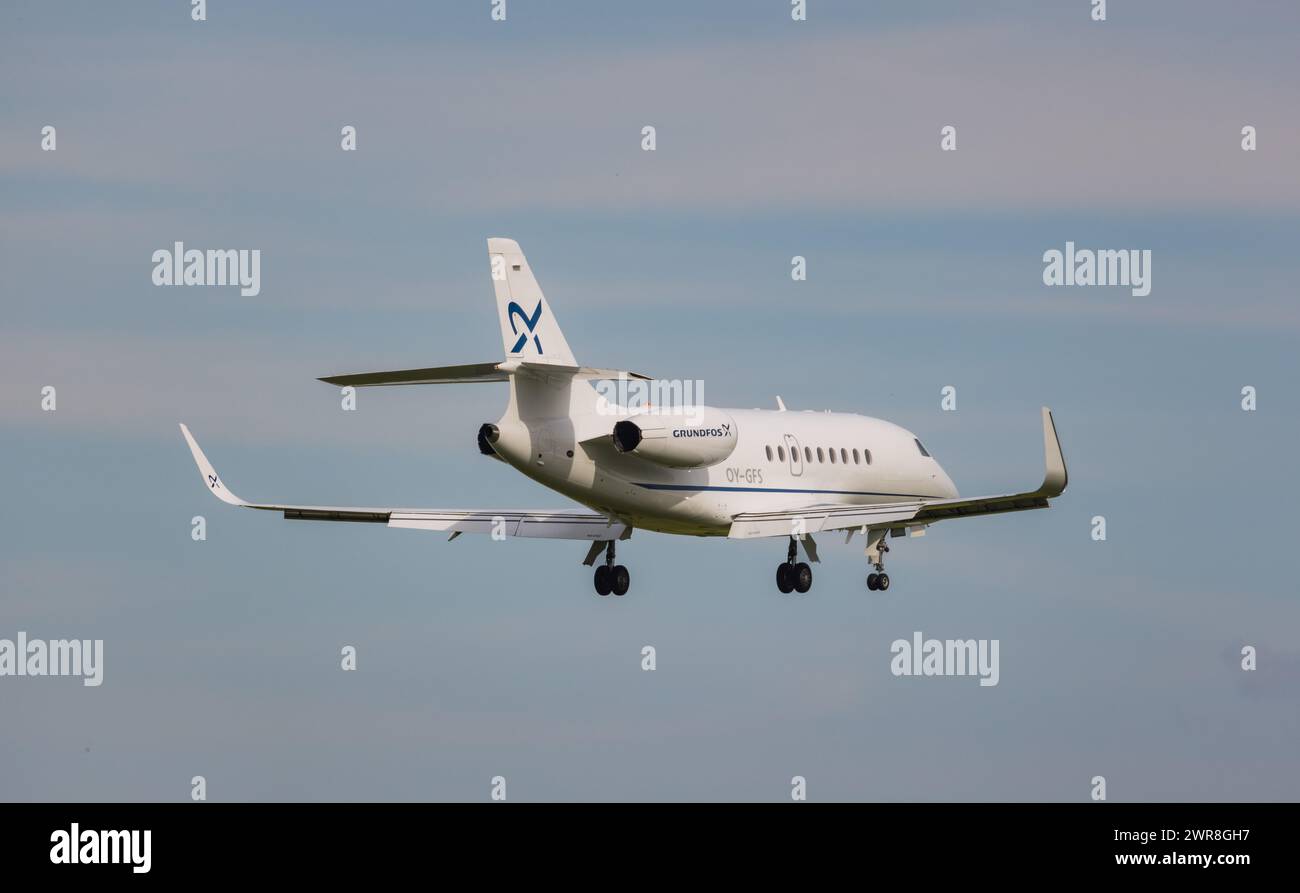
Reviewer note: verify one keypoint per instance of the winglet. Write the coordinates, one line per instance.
(210, 478)
(1056, 477)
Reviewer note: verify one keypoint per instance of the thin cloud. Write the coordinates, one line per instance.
(1109, 121)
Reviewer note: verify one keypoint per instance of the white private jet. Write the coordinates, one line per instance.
(684, 469)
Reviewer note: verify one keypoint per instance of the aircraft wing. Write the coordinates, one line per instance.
(472, 372)
(569, 525)
(898, 514)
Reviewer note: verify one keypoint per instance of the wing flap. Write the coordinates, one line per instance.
(990, 505)
(530, 524)
(307, 513)
(819, 518)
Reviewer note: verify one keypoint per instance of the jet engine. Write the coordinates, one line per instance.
(488, 434)
(678, 441)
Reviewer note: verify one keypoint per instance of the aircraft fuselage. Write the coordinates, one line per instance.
(781, 459)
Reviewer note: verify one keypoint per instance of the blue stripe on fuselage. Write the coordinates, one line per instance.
(700, 488)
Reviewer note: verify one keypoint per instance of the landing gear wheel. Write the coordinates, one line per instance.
(785, 577)
(619, 579)
(802, 577)
(882, 582)
(603, 582)
(872, 580)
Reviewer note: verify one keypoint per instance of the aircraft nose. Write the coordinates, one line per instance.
(948, 488)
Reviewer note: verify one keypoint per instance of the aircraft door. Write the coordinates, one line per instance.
(796, 460)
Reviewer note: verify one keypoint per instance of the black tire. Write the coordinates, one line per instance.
(882, 582)
(802, 577)
(785, 577)
(871, 581)
(620, 580)
(603, 582)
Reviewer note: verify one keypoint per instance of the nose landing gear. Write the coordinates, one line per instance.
(791, 576)
(878, 581)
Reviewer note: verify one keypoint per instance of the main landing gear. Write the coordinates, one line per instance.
(879, 581)
(791, 576)
(611, 577)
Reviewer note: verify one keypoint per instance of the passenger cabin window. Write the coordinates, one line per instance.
(832, 452)
(807, 454)
(780, 453)
(866, 456)
(856, 457)
(844, 456)
(769, 453)
(921, 447)
(821, 457)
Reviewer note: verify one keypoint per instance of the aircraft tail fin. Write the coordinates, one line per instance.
(529, 331)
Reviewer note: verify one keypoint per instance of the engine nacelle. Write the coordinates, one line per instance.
(678, 441)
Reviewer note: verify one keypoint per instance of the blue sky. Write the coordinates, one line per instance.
(479, 658)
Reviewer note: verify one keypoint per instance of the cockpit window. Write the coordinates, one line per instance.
(920, 446)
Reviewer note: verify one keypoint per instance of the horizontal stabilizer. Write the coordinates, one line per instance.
(471, 372)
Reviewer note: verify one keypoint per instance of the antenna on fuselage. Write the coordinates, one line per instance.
(780, 404)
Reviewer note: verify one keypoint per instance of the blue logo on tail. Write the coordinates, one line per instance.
(515, 310)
